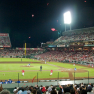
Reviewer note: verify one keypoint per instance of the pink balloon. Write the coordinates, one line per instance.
(32, 15)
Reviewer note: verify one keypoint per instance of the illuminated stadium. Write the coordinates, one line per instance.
(74, 49)
(46, 47)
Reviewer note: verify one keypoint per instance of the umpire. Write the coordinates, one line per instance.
(40, 68)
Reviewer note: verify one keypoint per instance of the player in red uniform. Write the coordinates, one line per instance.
(23, 72)
(92, 65)
(51, 72)
(73, 64)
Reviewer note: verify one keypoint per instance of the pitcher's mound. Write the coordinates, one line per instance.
(26, 66)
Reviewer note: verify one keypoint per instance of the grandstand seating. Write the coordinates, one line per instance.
(67, 55)
(14, 52)
(78, 35)
(5, 40)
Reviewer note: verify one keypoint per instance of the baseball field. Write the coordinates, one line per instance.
(11, 67)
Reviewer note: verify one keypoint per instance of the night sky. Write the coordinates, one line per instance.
(16, 19)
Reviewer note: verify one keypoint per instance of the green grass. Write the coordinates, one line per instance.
(66, 65)
(18, 67)
(31, 75)
(11, 70)
(17, 60)
(85, 74)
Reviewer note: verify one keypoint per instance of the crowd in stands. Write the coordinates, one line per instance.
(5, 41)
(76, 37)
(67, 55)
(58, 89)
(14, 52)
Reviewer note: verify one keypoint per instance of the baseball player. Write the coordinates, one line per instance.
(21, 58)
(73, 64)
(51, 72)
(23, 72)
(92, 65)
(28, 65)
(40, 68)
(75, 69)
(45, 61)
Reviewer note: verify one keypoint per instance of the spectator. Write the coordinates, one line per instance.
(4, 92)
(1, 88)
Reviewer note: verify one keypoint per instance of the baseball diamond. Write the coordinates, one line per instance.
(46, 47)
(10, 69)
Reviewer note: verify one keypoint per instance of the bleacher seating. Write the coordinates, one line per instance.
(67, 55)
(14, 52)
(5, 40)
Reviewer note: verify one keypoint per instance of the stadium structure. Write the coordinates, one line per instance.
(70, 58)
(4, 40)
(79, 41)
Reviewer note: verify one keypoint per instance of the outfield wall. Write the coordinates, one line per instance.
(48, 83)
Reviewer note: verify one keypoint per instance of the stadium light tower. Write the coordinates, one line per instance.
(67, 19)
(41, 43)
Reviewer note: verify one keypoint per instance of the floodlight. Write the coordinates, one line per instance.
(67, 18)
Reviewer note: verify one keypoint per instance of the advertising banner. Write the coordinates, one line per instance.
(52, 46)
(89, 45)
(60, 45)
(3, 34)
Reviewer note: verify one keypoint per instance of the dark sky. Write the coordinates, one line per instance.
(16, 19)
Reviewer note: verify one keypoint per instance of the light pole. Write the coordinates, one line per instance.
(67, 19)
(41, 44)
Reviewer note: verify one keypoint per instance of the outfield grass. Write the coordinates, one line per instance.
(17, 60)
(66, 65)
